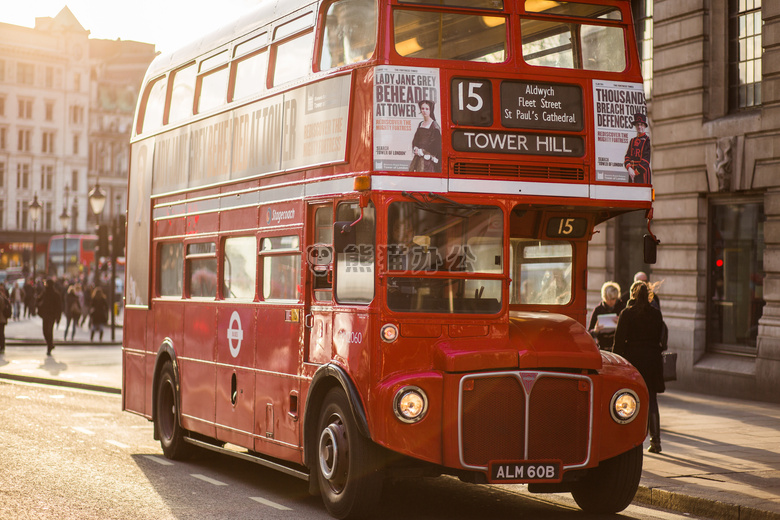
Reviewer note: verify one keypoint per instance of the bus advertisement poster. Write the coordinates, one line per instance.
(616, 105)
(407, 111)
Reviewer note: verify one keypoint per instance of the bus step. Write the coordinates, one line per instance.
(251, 458)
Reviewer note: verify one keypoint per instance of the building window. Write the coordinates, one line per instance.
(77, 82)
(736, 277)
(21, 214)
(49, 110)
(47, 216)
(75, 144)
(47, 177)
(25, 136)
(2, 214)
(745, 52)
(25, 108)
(74, 180)
(2, 73)
(3, 138)
(25, 73)
(47, 146)
(76, 114)
(22, 176)
(2, 175)
(2, 106)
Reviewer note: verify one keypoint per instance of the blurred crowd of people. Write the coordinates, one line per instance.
(70, 300)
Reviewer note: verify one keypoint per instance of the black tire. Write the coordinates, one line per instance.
(346, 463)
(167, 417)
(611, 486)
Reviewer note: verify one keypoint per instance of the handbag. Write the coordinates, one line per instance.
(670, 365)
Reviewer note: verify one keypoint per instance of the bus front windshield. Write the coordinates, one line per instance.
(429, 242)
(540, 272)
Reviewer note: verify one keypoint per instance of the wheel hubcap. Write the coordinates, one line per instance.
(333, 453)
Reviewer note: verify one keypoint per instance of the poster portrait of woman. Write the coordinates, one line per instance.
(426, 144)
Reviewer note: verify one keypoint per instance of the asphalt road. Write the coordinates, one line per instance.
(73, 454)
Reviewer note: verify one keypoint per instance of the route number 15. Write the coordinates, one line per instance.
(566, 227)
(472, 102)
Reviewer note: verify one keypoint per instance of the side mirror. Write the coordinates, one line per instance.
(343, 236)
(651, 249)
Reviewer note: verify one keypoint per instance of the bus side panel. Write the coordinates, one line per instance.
(133, 361)
(197, 368)
(235, 359)
(150, 362)
(278, 359)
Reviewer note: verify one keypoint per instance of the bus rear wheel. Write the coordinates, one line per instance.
(347, 464)
(167, 417)
(611, 486)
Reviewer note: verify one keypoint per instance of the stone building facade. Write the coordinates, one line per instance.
(712, 76)
(63, 97)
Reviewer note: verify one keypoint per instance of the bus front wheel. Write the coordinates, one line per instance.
(346, 465)
(167, 418)
(611, 486)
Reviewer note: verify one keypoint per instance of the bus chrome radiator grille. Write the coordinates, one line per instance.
(498, 415)
(520, 171)
(493, 420)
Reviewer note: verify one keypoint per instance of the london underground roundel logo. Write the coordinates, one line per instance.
(235, 334)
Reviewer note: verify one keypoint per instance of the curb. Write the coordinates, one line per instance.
(59, 382)
(698, 506)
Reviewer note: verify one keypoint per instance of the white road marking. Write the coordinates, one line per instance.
(22, 396)
(118, 444)
(270, 504)
(83, 430)
(204, 478)
(159, 460)
(57, 396)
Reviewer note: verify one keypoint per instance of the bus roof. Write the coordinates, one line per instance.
(268, 10)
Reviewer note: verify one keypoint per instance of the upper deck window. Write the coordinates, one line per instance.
(450, 36)
(350, 33)
(150, 117)
(471, 4)
(292, 55)
(212, 83)
(572, 45)
(182, 93)
(573, 9)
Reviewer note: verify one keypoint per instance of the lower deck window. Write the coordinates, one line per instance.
(541, 272)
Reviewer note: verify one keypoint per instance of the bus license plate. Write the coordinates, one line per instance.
(524, 472)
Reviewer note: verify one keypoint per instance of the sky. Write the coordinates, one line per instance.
(168, 24)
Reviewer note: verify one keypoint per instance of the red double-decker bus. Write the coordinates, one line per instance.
(357, 242)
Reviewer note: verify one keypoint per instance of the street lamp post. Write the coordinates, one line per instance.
(35, 215)
(64, 221)
(97, 201)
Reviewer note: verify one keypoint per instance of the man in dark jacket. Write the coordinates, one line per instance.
(49, 309)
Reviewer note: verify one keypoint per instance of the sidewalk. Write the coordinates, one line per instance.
(720, 459)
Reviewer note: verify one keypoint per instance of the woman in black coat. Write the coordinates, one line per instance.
(638, 339)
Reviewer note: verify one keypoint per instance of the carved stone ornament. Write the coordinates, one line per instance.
(724, 162)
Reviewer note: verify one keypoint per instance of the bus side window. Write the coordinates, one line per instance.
(355, 264)
(239, 269)
(202, 269)
(182, 94)
(320, 255)
(212, 83)
(250, 74)
(150, 117)
(281, 268)
(171, 269)
(292, 56)
(349, 33)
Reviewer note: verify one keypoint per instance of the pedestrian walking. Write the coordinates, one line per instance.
(603, 330)
(50, 310)
(641, 276)
(638, 338)
(98, 314)
(5, 313)
(72, 312)
(17, 297)
(29, 298)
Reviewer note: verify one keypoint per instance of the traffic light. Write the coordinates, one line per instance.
(103, 249)
(119, 236)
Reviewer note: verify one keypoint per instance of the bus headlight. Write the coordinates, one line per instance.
(624, 406)
(410, 404)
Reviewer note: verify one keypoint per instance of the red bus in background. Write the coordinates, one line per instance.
(79, 253)
(357, 242)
